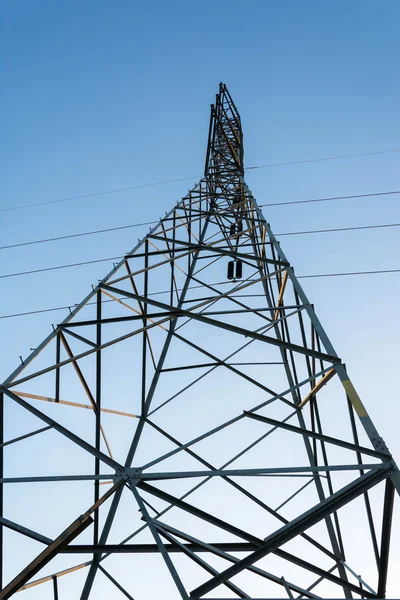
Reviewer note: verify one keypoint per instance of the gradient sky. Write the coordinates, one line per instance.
(100, 95)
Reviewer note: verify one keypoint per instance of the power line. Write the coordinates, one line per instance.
(91, 262)
(59, 267)
(334, 230)
(103, 193)
(97, 231)
(311, 160)
(349, 273)
(318, 275)
(75, 235)
(331, 198)
(144, 185)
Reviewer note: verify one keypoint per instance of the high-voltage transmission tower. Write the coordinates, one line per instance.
(189, 431)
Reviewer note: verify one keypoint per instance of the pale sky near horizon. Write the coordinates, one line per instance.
(101, 95)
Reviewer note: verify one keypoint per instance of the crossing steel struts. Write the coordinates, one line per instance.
(190, 429)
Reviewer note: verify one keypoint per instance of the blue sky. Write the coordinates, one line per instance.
(102, 95)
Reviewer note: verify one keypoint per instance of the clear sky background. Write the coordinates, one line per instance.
(99, 95)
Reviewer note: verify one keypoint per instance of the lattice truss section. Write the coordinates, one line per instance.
(188, 430)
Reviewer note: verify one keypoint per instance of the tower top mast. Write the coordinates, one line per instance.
(224, 158)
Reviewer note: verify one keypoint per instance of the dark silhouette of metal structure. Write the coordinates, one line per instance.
(238, 461)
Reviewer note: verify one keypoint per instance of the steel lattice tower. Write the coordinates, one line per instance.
(223, 452)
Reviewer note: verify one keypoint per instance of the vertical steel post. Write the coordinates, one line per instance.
(97, 416)
(1, 485)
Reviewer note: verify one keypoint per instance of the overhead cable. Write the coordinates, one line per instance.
(108, 229)
(312, 276)
(157, 183)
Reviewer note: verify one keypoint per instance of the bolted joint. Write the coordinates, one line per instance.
(130, 475)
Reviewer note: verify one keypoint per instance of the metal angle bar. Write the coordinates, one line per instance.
(213, 364)
(214, 248)
(319, 436)
(1, 487)
(321, 578)
(211, 137)
(199, 561)
(110, 320)
(293, 495)
(141, 309)
(155, 534)
(317, 422)
(366, 497)
(71, 436)
(187, 367)
(298, 525)
(144, 334)
(197, 512)
(23, 437)
(280, 296)
(115, 582)
(287, 588)
(179, 312)
(78, 369)
(215, 549)
(247, 310)
(72, 404)
(98, 430)
(361, 581)
(57, 575)
(43, 478)
(173, 284)
(58, 377)
(255, 472)
(153, 548)
(55, 588)
(66, 329)
(38, 537)
(385, 537)
(318, 387)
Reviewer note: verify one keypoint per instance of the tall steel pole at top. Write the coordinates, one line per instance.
(189, 431)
